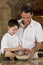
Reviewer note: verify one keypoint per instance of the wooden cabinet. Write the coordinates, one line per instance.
(38, 19)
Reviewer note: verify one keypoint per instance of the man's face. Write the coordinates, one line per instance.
(13, 30)
(26, 17)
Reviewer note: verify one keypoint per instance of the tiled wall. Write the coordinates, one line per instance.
(5, 15)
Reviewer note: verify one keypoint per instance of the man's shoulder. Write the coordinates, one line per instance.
(19, 21)
(36, 23)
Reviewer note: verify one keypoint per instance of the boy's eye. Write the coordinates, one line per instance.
(15, 30)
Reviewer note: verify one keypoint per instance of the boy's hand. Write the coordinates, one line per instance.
(19, 47)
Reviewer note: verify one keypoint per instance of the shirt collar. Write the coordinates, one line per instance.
(30, 25)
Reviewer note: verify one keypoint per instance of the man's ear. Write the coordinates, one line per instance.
(32, 15)
(21, 14)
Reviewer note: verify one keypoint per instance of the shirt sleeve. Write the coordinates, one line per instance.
(39, 33)
(4, 44)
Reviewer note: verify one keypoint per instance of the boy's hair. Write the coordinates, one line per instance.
(26, 9)
(13, 22)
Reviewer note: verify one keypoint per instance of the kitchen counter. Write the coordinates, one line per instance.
(26, 62)
(38, 61)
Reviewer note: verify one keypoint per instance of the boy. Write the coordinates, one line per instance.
(10, 42)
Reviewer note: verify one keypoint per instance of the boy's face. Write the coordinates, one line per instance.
(13, 30)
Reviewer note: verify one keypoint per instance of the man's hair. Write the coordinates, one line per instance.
(26, 9)
(13, 22)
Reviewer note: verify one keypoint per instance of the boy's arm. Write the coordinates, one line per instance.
(13, 49)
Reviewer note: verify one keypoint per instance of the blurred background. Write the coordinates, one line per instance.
(11, 9)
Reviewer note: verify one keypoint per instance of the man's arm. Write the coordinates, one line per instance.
(38, 46)
(35, 49)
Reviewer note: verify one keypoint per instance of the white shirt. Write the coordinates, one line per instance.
(9, 41)
(32, 33)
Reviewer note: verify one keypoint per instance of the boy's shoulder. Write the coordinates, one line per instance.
(5, 35)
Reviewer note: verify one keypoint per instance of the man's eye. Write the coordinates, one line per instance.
(23, 17)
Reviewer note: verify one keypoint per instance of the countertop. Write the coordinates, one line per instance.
(24, 62)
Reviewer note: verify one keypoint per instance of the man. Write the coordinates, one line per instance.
(30, 32)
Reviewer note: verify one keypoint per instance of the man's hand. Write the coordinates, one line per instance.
(30, 52)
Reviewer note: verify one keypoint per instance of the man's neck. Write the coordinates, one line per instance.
(25, 25)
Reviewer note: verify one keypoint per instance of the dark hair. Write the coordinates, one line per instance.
(13, 22)
(26, 9)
